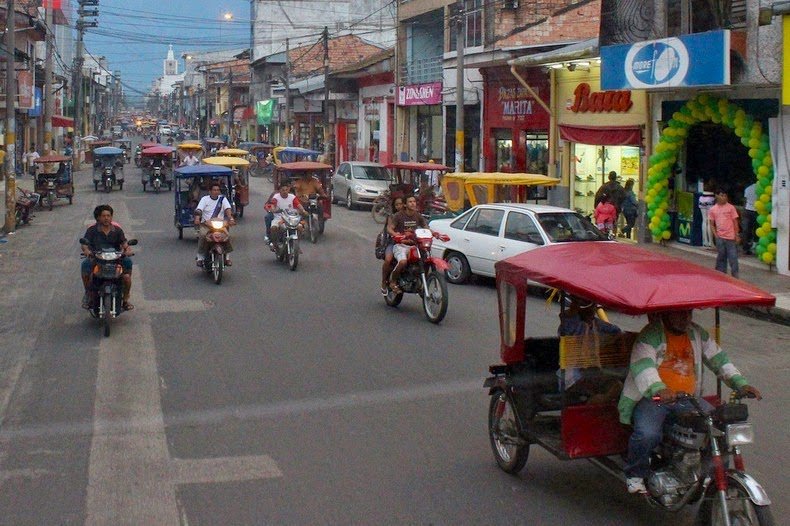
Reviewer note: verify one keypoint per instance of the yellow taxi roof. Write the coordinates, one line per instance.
(232, 151)
(230, 162)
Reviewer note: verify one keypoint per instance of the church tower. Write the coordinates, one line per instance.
(171, 64)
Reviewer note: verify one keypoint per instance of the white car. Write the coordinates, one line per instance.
(164, 129)
(485, 234)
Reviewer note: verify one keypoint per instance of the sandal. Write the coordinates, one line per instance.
(395, 288)
(127, 306)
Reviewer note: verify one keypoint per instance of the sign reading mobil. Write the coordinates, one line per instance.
(699, 59)
(420, 94)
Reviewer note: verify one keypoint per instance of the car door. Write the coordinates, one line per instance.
(339, 183)
(519, 235)
(480, 240)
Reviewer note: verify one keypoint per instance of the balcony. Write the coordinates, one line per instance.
(421, 70)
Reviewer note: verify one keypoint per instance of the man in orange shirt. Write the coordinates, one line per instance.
(725, 230)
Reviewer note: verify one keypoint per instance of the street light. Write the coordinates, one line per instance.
(228, 16)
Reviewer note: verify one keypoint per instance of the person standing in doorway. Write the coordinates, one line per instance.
(724, 227)
(630, 208)
(749, 217)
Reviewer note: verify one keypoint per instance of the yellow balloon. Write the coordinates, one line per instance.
(763, 170)
(771, 248)
(753, 152)
(754, 143)
(769, 219)
(767, 161)
(760, 232)
(665, 234)
(766, 197)
(759, 206)
(768, 257)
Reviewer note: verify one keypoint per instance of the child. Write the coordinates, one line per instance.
(605, 214)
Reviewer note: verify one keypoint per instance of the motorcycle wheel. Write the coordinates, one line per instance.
(50, 200)
(107, 186)
(742, 511)
(321, 224)
(510, 450)
(217, 267)
(156, 189)
(434, 300)
(392, 299)
(107, 314)
(380, 212)
(293, 253)
(144, 187)
(241, 210)
(311, 221)
(120, 185)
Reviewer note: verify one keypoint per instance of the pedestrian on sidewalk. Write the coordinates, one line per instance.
(749, 217)
(30, 160)
(630, 208)
(723, 219)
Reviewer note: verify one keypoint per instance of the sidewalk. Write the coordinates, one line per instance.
(751, 271)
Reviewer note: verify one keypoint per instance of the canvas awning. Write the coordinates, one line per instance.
(59, 121)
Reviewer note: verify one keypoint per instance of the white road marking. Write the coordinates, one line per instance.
(131, 478)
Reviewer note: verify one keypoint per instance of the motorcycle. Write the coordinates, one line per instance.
(423, 275)
(315, 218)
(138, 155)
(217, 238)
(286, 244)
(156, 178)
(25, 202)
(106, 284)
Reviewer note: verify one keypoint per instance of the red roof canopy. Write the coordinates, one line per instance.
(53, 159)
(145, 145)
(304, 165)
(421, 167)
(158, 150)
(629, 279)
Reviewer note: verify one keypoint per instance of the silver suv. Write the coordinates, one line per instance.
(359, 183)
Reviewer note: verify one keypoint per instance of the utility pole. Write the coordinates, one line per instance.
(287, 93)
(48, 102)
(459, 88)
(10, 115)
(327, 131)
(78, 97)
(230, 105)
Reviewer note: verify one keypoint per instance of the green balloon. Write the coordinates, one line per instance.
(768, 207)
(760, 219)
(759, 250)
(764, 241)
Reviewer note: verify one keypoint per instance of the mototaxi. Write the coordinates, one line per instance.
(185, 147)
(530, 406)
(157, 167)
(108, 164)
(191, 184)
(211, 145)
(462, 191)
(292, 154)
(92, 146)
(409, 178)
(126, 146)
(320, 208)
(241, 178)
(260, 163)
(54, 179)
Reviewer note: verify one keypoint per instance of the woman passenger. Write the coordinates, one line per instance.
(387, 266)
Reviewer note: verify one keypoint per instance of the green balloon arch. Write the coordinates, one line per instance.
(709, 108)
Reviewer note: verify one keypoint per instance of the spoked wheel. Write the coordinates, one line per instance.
(742, 511)
(321, 224)
(312, 224)
(217, 267)
(293, 253)
(459, 268)
(393, 299)
(510, 450)
(434, 299)
(50, 200)
(107, 186)
(107, 314)
(156, 188)
(380, 212)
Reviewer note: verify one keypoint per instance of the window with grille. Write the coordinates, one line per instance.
(473, 22)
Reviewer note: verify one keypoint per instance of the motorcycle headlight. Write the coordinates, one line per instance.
(217, 224)
(108, 256)
(739, 434)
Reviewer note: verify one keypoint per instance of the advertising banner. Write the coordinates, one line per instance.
(699, 59)
(263, 111)
(420, 94)
(25, 83)
(35, 111)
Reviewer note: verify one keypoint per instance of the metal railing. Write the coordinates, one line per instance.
(421, 70)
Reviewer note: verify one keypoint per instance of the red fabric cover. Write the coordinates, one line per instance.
(59, 121)
(158, 150)
(53, 159)
(608, 136)
(304, 165)
(629, 279)
(419, 166)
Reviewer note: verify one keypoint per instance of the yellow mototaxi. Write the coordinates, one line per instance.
(241, 178)
(189, 146)
(233, 152)
(464, 190)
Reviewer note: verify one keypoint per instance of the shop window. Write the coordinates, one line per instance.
(486, 221)
(590, 169)
(537, 153)
(503, 150)
(429, 132)
(704, 15)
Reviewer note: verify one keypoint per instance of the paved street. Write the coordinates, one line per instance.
(284, 397)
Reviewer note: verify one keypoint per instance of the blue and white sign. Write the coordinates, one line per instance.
(699, 59)
(35, 111)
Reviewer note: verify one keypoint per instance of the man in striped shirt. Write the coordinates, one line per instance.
(667, 360)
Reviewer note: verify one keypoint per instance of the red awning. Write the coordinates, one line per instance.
(59, 121)
(602, 136)
(629, 279)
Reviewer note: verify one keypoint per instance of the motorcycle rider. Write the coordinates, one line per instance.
(386, 266)
(667, 360)
(190, 159)
(283, 200)
(104, 234)
(406, 221)
(307, 184)
(210, 206)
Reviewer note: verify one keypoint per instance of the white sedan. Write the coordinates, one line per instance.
(484, 234)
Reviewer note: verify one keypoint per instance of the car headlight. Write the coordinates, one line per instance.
(739, 434)
(358, 188)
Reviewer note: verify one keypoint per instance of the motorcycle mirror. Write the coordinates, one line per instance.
(131, 242)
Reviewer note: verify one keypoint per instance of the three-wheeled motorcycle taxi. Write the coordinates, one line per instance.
(261, 165)
(157, 167)
(126, 146)
(318, 208)
(211, 145)
(185, 147)
(410, 178)
(54, 179)
(699, 457)
(108, 164)
(293, 154)
(241, 179)
(191, 184)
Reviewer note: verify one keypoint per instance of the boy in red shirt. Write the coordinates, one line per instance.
(725, 231)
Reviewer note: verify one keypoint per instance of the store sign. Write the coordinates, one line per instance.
(586, 100)
(26, 94)
(420, 94)
(35, 111)
(515, 101)
(699, 59)
(307, 106)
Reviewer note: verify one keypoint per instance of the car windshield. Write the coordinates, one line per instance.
(569, 226)
(375, 173)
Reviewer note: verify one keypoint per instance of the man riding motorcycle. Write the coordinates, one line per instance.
(666, 361)
(210, 206)
(283, 200)
(406, 221)
(306, 184)
(105, 234)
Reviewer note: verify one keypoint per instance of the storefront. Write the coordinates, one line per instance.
(599, 132)
(516, 126)
(308, 124)
(422, 107)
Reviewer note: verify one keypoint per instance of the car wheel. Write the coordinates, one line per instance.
(349, 201)
(459, 271)
(332, 196)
